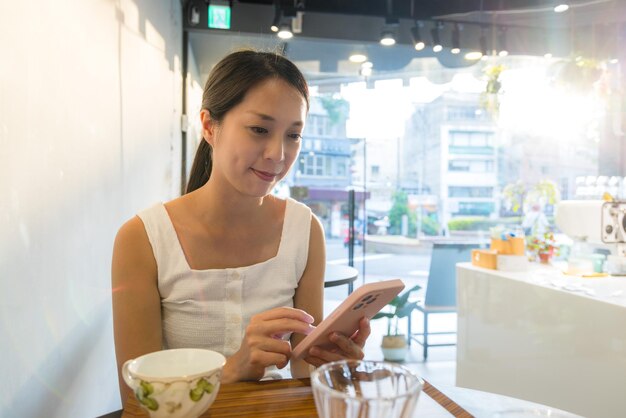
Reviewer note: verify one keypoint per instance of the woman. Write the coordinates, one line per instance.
(227, 266)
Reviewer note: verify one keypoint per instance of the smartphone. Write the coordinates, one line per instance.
(365, 301)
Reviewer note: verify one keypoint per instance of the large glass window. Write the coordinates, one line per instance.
(429, 151)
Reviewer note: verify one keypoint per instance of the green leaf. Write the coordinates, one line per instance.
(196, 393)
(149, 403)
(394, 302)
(406, 310)
(383, 315)
(146, 387)
(403, 298)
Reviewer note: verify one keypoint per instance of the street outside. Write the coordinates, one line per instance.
(411, 268)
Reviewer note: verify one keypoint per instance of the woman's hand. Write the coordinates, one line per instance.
(263, 343)
(347, 347)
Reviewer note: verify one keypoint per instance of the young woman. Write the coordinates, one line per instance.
(227, 266)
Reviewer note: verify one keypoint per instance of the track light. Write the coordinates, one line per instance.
(483, 42)
(561, 7)
(387, 38)
(418, 41)
(503, 51)
(437, 47)
(285, 32)
(456, 39)
(277, 16)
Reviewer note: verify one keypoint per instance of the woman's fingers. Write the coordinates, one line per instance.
(325, 355)
(346, 346)
(279, 327)
(363, 333)
(285, 312)
(260, 358)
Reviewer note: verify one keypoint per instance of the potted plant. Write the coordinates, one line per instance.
(394, 344)
(542, 246)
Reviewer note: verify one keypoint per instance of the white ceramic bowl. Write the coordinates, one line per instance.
(175, 383)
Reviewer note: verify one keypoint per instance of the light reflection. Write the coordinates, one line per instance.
(533, 105)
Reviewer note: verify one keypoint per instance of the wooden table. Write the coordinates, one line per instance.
(294, 398)
(337, 275)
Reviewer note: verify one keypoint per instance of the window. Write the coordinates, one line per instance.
(462, 113)
(340, 168)
(471, 142)
(462, 191)
(375, 170)
(317, 125)
(474, 166)
(317, 165)
(475, 208)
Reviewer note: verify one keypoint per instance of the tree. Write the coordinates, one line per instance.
(400, 208)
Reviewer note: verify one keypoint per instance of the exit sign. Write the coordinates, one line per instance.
(219, 16)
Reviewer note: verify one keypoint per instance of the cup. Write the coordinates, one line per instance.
(175, 383)
(365, 389)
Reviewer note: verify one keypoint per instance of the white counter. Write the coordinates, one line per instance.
(545, 337)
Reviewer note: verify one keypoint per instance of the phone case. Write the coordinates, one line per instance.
(366, 301)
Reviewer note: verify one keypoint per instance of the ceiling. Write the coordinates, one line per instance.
(333, 29)
(530, 13)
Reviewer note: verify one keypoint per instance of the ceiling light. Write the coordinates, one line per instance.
(456, 39)
(277, 15)
(502, 42)
(358, 58)
(561, 7)
(418, 42)
(285, 32)
(483, 41)
(434, 32)
(473, 55)
(614, 61)
(387, 38)
(367, 64)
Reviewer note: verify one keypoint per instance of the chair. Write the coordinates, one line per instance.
(440, 289)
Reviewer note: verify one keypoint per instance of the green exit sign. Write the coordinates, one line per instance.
(219, 16)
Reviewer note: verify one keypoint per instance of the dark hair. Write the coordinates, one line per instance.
(226, 87)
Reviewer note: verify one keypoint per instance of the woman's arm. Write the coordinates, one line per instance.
(136, 300)
(310, 292)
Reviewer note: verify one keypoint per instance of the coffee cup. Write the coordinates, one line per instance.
(175, 383)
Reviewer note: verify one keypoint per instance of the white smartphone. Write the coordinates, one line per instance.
(366, 301)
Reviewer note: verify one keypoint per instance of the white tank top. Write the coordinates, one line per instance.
(211, 308)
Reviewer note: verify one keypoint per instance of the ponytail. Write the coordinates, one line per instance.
(201, 168)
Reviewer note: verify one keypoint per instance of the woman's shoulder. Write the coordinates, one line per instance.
(132, 249)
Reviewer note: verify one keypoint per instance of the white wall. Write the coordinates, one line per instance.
(89, 134)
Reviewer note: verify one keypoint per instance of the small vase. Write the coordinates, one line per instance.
(544, 258)
(394, 347)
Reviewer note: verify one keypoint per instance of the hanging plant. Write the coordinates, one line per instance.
(338, 109)
(489, 99)
(578, 74)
